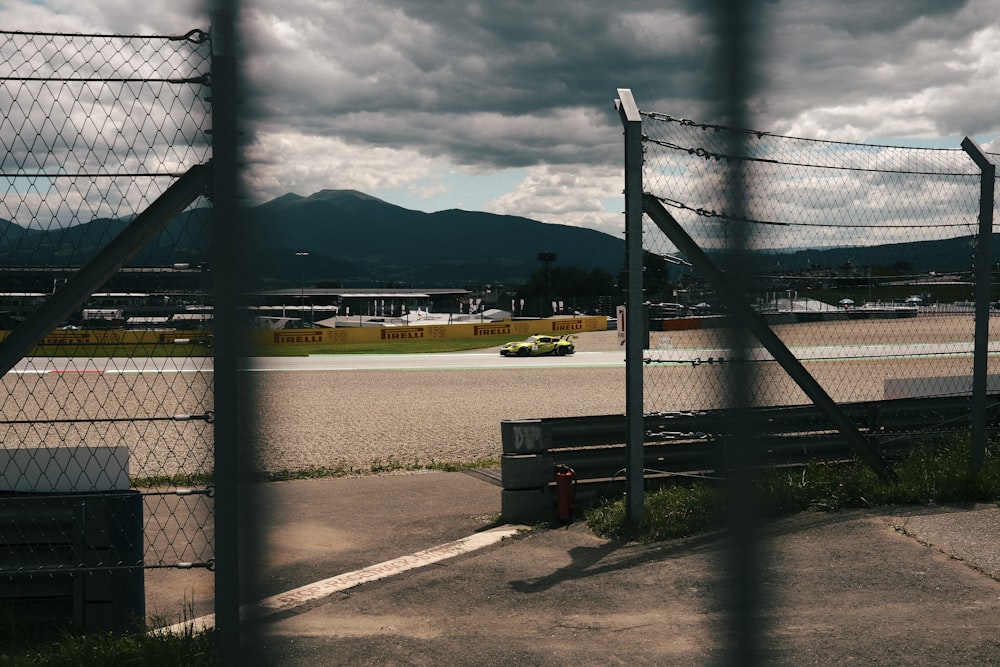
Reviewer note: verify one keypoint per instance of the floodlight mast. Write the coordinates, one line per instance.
(302, 281)
(546, 257)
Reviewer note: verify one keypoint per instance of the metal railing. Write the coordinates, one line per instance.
(689, 443)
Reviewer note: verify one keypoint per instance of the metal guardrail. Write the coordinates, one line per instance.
(687, 442)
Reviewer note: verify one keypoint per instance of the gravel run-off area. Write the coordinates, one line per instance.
(371, 419)
(358, 420)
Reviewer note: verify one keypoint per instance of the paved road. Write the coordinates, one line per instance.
(486, 360)
(891, 586)
(321, 362)
(441, 361)
(42, 365)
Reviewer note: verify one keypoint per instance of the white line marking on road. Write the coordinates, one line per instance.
(341, 582)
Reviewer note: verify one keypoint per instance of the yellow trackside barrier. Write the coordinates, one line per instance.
(123, 341)
(63, 337)
(515, 329)
(199, 342)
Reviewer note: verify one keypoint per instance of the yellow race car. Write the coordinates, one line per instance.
(536, 346)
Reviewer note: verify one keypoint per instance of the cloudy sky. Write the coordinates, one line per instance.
(507, 105)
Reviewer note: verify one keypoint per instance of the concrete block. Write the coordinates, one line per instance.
(64, 469)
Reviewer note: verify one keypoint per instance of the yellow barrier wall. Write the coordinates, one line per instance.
(514, 329)
(117, 337)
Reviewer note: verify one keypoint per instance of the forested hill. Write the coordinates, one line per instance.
(351, 238)
(355, 239)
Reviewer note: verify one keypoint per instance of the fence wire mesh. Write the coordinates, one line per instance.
(862, 263)
(107, 454)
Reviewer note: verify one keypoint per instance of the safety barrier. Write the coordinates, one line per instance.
(536, 451)
(63, 340)
(290, 338)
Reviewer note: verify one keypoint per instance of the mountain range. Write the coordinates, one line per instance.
(354, 239)
(358, 239)
(351, 238)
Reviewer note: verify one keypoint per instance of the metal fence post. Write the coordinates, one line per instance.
(733, 23)
(225, 265)
(984, 259)
(634, 324)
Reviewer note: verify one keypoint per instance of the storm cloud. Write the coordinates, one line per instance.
(423, 98)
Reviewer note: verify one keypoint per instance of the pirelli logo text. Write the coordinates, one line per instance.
(402, 333)
(491, 330)
(67, 338)
(567, 325)
(298, 337)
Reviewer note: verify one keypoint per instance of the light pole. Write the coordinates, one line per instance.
(546, 258)
(302, 281)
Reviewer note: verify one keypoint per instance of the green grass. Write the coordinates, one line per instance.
(122, 350)
(379, 467)
(99, 649)
(173, 481)
(934, 472)
(376, 467)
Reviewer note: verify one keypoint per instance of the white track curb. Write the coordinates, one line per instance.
(327, 587)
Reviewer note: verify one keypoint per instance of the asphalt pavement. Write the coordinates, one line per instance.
(888, 586)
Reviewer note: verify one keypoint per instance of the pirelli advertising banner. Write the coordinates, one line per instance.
(514, 329)
(75, 337)
(289, 338)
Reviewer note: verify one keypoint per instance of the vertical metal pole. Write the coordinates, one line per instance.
(225, 264)
(984, 260)
(734, 27)
(634, 324)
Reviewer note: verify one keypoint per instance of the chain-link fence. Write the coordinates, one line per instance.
(107, 397)
(862, 261)
(786, 291)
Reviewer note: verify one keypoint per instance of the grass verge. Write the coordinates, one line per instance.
(130, 350)
(376, 467)
(423, 346)
(933, 472)
(97, 649)
(379, 467)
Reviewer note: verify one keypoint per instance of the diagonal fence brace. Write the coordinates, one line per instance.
(756, 324)
(95, 273)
